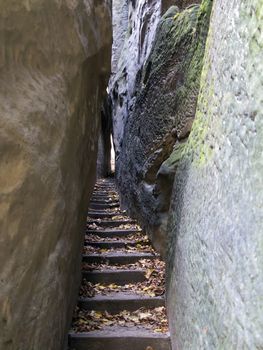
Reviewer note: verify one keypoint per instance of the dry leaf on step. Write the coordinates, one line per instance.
(149, 273)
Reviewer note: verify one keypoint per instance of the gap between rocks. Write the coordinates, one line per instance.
(121, 301)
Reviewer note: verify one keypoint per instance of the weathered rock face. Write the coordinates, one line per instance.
(120, 15)
(215, 276)
(134, 25)
(182, 4)
(134, 29)
(162, 118)
(54, 63)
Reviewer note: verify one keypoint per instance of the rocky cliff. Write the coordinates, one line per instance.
(134, 25)
(215, 276)
(134, 30)
(54, 66)
(166, 95)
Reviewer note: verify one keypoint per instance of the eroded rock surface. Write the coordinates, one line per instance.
(54, 65)
(162, 117)
(215, 278)
(133, 31)
(182, 4)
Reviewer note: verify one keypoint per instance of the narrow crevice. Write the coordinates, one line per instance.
(121, 301)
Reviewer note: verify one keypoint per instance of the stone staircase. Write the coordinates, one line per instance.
(121, 302)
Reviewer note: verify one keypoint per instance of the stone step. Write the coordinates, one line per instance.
(119, 277)
(105, 210)
(116, 337)
(113, 244)
(105, 190)
(116, 302)
(108, 223)
(120, 338)
(120, 258)
(104, 214)
(104, 193)
(110, 233)
(98, 201)
(103, 206)
(105, 187)
(105, 184)
(104, 198)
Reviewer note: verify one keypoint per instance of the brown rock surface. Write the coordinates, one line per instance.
(54, 63)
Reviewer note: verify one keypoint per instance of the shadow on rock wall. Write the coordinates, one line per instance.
(161, 120)
(53, 72)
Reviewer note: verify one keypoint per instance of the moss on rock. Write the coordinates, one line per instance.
(164, 111)
(175, 157)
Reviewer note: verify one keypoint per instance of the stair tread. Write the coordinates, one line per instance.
(103, 205)
(114, 229)
(116, 303)
(116, 232)
(121, 338)
(102, 201)
(118, 284)
(122, 332)
(115, 296)
(111, 234)
(120, 254)
(117, 272)
(118, 258)
(113, 243)
(103, 212)
(106, 222)
(119, 277)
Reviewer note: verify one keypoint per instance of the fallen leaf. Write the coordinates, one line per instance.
(149, 273)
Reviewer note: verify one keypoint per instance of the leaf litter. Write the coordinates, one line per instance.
(154, 285)
(143, 264)
(138, 248)
(133, 237)
(128, 226)
(154, 271)
(152, 319)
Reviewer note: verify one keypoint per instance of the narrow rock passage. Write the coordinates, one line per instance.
(121, 301)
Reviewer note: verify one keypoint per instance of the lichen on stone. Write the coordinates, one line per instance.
(175, 157)
(214, 275)
(163, 113)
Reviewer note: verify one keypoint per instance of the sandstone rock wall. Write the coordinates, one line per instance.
(162, 117)
(137, 31)
(215, 276)
(120, 13)
(54, 66)
(134, 29)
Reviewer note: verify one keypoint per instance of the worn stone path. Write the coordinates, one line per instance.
(121, 302)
